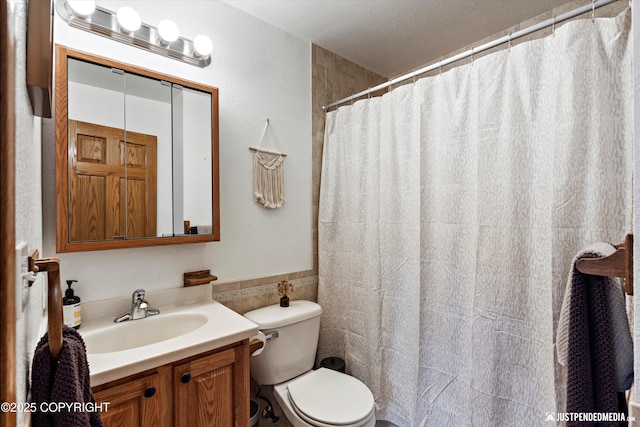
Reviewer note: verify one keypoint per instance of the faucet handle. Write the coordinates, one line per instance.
(138, 295)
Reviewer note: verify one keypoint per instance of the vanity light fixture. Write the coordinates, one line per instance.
(168, 32)
(202, 46)
(82, 8)
(127, 27)
(128, 19)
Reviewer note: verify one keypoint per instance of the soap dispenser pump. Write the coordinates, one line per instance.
(72, 311)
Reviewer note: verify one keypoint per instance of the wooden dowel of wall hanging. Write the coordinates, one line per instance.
(267, 151)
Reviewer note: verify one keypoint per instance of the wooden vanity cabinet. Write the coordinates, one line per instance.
(205, 390)
(210, 389)
(132, 403)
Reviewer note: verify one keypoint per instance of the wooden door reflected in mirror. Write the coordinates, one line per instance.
(108, 201)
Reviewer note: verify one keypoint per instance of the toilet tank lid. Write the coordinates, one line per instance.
(274, 316)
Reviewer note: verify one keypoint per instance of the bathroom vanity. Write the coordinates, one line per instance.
(187, 366)
(210, 389)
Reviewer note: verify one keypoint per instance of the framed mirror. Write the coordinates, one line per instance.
(136, 156)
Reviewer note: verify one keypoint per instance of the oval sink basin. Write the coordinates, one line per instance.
(141, 332)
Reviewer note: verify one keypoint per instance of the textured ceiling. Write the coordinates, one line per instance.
(390, 37)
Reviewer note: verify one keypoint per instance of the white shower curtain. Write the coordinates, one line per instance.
(450, 210)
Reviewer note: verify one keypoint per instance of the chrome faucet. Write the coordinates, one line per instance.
(139, 308)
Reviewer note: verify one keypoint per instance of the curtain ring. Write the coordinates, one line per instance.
(440, 68)
(472, 55)
(369, 92)
(593, 11)
(509, 42)
(553, 26)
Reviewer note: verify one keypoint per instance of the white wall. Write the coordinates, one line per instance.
(261, 72)
(196, 131)
(30, 323)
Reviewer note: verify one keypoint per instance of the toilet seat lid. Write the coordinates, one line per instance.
(331, 397)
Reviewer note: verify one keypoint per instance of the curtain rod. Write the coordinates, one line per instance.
(505, 39)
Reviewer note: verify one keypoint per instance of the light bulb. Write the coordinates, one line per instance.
(82, 8)
(128, 19)
(202, 45)
(168, 31)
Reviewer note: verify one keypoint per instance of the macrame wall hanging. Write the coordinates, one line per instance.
(268, 174)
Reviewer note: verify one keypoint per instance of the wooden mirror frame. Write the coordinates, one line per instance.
(62, 172)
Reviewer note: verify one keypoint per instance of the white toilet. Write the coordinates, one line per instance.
(320, 398)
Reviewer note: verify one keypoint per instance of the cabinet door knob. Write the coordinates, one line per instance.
(150, 391)
(185, 378)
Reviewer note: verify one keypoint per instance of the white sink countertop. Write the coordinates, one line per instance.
(217, 326)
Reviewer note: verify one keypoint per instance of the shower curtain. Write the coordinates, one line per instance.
(450, 210)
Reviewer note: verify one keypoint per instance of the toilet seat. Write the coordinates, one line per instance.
(325, 398)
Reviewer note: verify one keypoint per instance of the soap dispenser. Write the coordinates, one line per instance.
(72, 311)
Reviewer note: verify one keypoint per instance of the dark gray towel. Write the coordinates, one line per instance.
(590, 359)
(64, 380)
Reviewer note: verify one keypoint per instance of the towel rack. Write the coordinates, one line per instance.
(54, 299)
(618, 264)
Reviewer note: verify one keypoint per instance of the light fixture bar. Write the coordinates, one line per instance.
(104, 22)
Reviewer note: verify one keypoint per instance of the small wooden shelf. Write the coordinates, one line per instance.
(201, 277)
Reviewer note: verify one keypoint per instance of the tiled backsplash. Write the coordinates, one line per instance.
(247, 299)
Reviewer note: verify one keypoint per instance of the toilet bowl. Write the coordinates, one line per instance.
(319, 398)
(326, 398)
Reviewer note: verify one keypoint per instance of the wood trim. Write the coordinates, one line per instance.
(62, 161)
(7, 217)
(40, 56)
(215, 166)
(241, 383)
(62, 158)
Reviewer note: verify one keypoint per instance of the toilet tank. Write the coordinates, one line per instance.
(293, 351)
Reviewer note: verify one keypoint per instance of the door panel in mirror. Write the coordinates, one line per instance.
(112, 183)
(122, 133)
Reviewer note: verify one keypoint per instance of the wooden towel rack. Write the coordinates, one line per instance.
(54, 299)
(618, 264)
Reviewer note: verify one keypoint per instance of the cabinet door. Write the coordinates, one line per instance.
(131, 404)
(213, 390)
